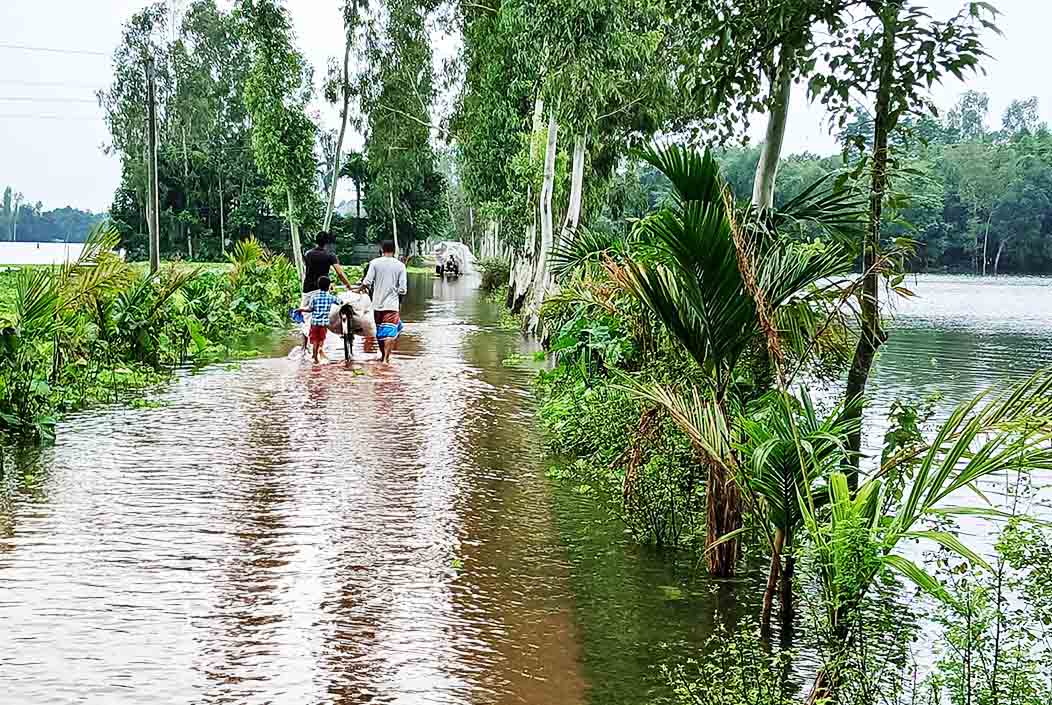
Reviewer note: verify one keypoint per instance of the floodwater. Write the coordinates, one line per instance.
(282, 533)
(22, 253)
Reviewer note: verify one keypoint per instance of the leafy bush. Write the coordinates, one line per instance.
(737, 669)
(638, 462)
(495, 273)
(96, 329)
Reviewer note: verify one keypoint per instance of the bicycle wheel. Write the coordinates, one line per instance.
(348, 336)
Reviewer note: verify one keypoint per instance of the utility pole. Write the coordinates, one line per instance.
(394, 223)
(153, 198)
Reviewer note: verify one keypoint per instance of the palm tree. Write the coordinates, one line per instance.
(717, 287)
(787, 450)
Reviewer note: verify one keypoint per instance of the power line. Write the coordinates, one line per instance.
(28, 116)
(33, 99)
(57, 84)
(81, 52)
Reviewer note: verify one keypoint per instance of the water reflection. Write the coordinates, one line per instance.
(284, 532)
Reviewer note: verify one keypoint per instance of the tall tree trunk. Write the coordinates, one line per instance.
(222, 221)
(357, 206)
(872, 333)
(471, 232)
(294, 228)
(997, 257)
(773, 573)
(986, 237)
(767, 167)
(787, 591)
(541, 277)
(394, 223)
(14, 218)
(573, 209)
(154, 198)
(186, 188)
(523, 258)
(343, 131)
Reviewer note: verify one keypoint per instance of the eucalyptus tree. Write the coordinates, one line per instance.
(340, 87)
(277, 90)
(222, 57)
(397, 95)
(1021, 117)
(606, 77)
(740, 59)
(123, 103)
(497, 115)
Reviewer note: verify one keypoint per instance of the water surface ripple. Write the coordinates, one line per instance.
(286, 533)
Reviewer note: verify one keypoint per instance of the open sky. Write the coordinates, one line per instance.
(53, 134)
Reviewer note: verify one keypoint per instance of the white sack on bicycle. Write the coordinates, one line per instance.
(362, 321)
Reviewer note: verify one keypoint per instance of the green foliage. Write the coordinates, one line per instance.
(495, 272)
(735, 669)
(276, 90)
(858, 539)
(952, 189)
(996, 642)
(397, 94)
(98, 330)
(38, 225)
(211, 189)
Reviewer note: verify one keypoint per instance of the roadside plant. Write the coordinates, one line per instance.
(714, 286)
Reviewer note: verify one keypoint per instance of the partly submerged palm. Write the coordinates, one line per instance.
(701, 283)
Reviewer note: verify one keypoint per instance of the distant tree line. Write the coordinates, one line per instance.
(974, 199)
(29, 222)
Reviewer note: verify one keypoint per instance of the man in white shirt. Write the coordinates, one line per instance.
(386, 279)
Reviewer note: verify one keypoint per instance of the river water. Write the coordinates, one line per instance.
(281, 533)
(21, 253)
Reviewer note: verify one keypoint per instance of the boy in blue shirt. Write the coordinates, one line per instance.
(319, 307)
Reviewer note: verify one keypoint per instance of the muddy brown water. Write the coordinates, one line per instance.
(276, 532)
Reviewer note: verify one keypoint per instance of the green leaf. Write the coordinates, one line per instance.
(951, 543)
(918, 576)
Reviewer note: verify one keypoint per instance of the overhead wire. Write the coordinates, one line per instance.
(54, 50)
(50, 84)
(46, 99)
(29, 116)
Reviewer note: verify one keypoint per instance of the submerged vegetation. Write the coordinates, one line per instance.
(101, 330)
(681, 350)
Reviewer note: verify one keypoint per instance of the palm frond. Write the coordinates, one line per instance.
(696, 412)
(841, 212)
(786, 449)
(36, 302)
(695, 175)
(588, 248)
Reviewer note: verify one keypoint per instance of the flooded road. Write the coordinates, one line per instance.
(274, 532)
(283, 533)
